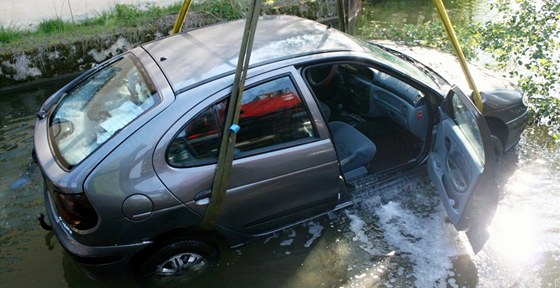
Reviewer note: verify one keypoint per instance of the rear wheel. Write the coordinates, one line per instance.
(185, 256)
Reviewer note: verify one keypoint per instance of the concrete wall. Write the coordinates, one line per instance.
(74, 55)
(28, 13)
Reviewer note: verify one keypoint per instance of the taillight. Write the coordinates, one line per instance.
(75, 210)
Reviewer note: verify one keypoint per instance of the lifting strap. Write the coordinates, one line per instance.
(462, 60)
(182, 16)
(341, 15)
(227, 146)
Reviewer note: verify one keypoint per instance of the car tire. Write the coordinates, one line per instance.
(498, 147)
(183, 256)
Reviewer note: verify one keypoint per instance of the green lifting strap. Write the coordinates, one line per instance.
(227, 146)
(341, 16)
(462, 60)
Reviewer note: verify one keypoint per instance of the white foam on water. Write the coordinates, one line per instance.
(315, 230)
(358, 226)
(273, 236)
(428, 241)
(287, 242)
(413, 226)
(291, 237)
(399, 235)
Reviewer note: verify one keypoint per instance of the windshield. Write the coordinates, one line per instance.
(97, 108)
(408, 66)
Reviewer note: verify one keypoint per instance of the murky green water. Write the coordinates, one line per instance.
(395, 236)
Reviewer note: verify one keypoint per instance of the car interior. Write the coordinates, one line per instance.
(377, 121)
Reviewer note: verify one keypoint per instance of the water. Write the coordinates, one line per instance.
(395, 236)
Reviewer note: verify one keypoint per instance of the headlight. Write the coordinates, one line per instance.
(525, 99)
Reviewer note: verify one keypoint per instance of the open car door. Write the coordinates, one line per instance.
(461, 166)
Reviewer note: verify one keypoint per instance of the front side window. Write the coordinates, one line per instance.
(466, 121)
(272, 116)
(99, 107)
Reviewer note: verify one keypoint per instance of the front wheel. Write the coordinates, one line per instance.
(178, 257)
(498, 147)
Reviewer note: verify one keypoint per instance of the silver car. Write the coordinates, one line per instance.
(128, 150)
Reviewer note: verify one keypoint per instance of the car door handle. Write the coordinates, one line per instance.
(203, 198)
(447, 143)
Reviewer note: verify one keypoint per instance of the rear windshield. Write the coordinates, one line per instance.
(99, 107)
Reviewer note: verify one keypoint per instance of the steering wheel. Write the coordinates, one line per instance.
(328, 78)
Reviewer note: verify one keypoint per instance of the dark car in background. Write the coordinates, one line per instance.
(128, 150)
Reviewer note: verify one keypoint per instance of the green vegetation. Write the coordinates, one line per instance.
(9, 34)
(222, 9)
(400, 21)
(526, 42)
(523, 39)
(121, 16)
(53, 26)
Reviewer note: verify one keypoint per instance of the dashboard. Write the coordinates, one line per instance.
(372, 93)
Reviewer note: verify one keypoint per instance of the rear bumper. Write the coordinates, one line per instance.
(515, 127)
(95, 261)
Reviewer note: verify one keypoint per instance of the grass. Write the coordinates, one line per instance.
(120, 16)
(53, 26)
(9, 34)
(222, 9)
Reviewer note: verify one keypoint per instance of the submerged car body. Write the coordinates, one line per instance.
(128, 150)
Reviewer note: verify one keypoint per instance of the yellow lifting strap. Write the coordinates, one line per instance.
(182, 16)
(451, 33)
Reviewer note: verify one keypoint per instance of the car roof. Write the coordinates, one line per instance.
(202, 54)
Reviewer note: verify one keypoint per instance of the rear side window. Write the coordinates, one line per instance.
(99, 107)
(272, 116)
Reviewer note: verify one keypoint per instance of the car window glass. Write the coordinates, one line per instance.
(272, 116)
(99, 107)
(405, 66)
(199, 140)
(467, 123)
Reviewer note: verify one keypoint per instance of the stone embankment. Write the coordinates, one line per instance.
(23, 64)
